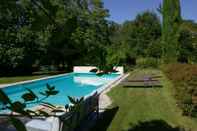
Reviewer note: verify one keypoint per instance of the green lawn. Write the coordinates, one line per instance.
(6, 80)
(35, 75)
(144, 109)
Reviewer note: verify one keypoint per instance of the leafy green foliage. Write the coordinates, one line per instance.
(138, 38)
(104, 69)
(148, 62)
(17, 124)
(20, 106)
(4, 98)
(145, 29)
(184, 79)
(17, 107)
(75, 101)
(31, 96)
(187, 40)
(79, 110)
(50, 91)
(50, 87)
(39, 32)
(94, 70)
(155, 49)
(186, 49)
(171, 29)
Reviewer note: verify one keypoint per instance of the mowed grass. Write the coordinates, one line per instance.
(6, 80)
(35, 75)
(155, 107)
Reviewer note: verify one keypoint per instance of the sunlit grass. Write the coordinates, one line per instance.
(147, 104)
(6, 80)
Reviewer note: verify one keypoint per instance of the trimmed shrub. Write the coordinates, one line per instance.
(184, 78)
(181, 72)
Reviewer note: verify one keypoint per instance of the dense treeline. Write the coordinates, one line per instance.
(55, 32)
(168, 41)
(63, 33)
(138, 38)
(177, 39)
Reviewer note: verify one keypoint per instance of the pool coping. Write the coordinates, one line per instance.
(111, 84)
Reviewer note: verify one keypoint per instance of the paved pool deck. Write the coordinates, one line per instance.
(3, 85)
(104, 100)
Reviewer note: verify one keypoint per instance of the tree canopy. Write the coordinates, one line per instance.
(54, 32)
(63, 33)
(137, 38)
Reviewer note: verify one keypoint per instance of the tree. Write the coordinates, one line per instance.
(187, 41)
(52, 32)
(146, 30)
(18, 44)
(170, 30)
(155, 49)
(83, 36)
(186, 50)
(138, 38)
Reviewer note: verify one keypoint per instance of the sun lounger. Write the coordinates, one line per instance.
(141, 84)
(143, 81)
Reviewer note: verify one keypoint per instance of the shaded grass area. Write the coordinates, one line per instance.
(154, 125)
(6, 80)
(35, 75)
(105, 119)
(147, 109)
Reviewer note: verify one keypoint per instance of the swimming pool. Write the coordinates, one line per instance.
(72, 84)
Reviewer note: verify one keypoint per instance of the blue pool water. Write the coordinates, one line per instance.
(73, 84)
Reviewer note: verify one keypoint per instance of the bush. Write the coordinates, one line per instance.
(187, 99)
(181, 72)
(187, 109)
(148, 62)
(155, 49)
(186, 49)
(184, 78)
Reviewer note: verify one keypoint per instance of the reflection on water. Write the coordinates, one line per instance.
(94, 81)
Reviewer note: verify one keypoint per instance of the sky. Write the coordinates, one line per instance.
(122, 10)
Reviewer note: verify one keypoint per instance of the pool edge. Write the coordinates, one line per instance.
(30, 81)
(108, 85)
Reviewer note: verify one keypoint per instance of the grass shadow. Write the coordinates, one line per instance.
(154, 125)
(105, 119)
